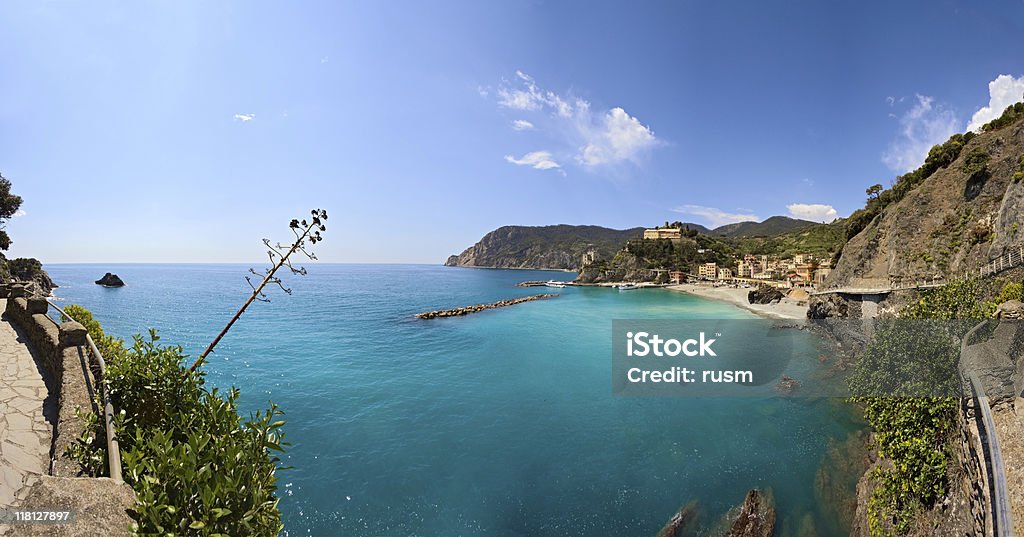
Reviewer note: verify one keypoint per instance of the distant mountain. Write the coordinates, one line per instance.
(695, 227)
(543, 247)
(776, 225)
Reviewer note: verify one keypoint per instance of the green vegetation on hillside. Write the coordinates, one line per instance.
(197, 467)
(1011, 114)
(818, 239)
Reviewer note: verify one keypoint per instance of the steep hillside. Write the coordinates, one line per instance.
(552, 247)
(775, 225)
(961, 209)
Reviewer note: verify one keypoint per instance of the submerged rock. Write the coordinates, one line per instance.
(787, 384)
(676, 526)
(110, 280)
(756, 517)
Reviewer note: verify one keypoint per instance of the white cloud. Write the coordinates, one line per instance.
(925, 124)
(521, 125)
(538, 160)
(325, 59)
(590, 138)
(19, 212)
(1002, 92)
(715, 217)
(530, 97)
(621, 137)
(815, 212)
(244, 118)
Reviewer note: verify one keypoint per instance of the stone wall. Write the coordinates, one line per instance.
(64, 355)
(972, 485)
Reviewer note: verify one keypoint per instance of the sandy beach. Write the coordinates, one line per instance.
(785, 309)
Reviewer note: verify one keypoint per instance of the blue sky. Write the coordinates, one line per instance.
(181, 131)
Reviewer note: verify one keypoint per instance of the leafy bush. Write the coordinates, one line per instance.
(913, 433)
(110, 347)
(1018, 174)
(1010, 291)
(196, 466)
(959, 299)
(903, 382)
(975, 163)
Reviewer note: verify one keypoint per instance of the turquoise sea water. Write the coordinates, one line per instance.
(499, 423)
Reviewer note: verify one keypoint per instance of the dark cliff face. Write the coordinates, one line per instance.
(544, 247)
(954, 222)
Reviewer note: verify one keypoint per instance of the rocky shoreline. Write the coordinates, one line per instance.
(466, 310)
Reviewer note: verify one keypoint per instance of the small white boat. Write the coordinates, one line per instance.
(553, 283)
(628, 287)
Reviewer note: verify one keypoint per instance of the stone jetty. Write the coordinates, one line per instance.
(481, 307)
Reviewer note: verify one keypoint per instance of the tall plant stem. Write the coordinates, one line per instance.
(255, 293)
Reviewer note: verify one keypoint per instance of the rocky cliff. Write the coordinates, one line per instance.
(30, 271)
(957, 217)
(544, 247)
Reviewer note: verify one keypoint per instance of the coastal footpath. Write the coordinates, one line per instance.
(46, 381)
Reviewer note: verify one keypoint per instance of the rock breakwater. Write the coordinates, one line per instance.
(466, 310)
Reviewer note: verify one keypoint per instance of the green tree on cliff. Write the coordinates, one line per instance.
(9, 205)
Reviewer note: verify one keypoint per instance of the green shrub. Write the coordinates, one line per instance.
(903, 381)
(975, 163)
(906, 382)
(197, 467)
(1011, 114)
(1010, 291)
(913, 433)
(959, 299)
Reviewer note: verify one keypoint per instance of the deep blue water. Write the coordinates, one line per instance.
(499, 423)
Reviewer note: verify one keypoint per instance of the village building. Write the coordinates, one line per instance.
(708, 270)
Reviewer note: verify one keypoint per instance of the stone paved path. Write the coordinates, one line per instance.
(25, 431)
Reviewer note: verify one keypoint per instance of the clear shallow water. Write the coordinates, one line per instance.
(499, 423)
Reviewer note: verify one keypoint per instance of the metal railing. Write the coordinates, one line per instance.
(1010, 259)
(113, 448)
(1002, 517)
